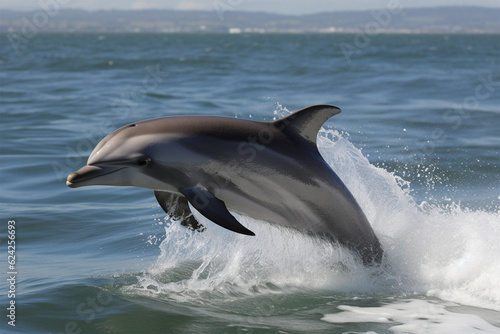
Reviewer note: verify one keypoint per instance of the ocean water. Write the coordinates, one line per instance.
(417, 144)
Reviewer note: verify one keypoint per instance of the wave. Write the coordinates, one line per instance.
(438, 250)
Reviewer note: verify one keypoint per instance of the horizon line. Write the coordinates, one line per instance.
(239, 11)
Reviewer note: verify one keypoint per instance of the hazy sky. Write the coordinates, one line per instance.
(276, 6)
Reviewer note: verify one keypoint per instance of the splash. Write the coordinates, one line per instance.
(219, 263)
(440, 251)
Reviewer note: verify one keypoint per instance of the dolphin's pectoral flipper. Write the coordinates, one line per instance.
(178, 209)
(214, 209)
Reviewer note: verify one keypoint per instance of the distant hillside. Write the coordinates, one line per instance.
(418, 20)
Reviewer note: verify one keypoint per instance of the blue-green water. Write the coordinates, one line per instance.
(417, 143)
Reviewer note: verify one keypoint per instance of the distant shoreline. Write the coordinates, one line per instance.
(396, 20)
(244, 33)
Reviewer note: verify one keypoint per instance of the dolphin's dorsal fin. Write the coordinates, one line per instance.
(307, 122)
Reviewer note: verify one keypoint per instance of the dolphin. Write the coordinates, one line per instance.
(270, 171)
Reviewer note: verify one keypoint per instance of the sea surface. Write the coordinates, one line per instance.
(417, 143)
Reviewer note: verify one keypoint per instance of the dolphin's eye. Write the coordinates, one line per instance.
(143, 162)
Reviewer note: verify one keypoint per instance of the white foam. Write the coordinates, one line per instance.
(442, 251)
(414, 316)
(221, 262)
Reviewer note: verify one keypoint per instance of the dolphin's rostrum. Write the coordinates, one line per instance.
(270, 171)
